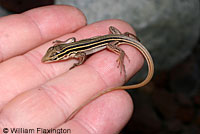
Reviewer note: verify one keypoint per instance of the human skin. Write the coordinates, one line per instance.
(37, 95)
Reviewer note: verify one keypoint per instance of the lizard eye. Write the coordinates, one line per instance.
(53, 54)
(58, 47)
(50, 49)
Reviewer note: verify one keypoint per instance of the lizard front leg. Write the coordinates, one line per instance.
(70, 40)
(81, 56)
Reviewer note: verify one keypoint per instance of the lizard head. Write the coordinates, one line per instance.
(53, 55)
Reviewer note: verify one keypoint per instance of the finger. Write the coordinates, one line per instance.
(61, 96)
(106, 115)
(22, 32)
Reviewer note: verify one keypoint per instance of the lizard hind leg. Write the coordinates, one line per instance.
(114, 30)
(113, 46)
(132, 36)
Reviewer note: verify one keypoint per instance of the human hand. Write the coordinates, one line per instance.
(37, 95)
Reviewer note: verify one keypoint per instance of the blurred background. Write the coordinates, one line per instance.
(170, 103)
